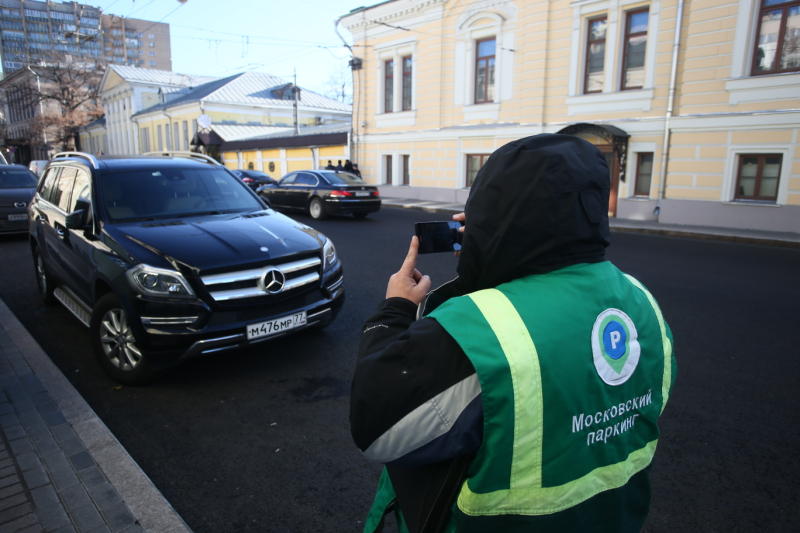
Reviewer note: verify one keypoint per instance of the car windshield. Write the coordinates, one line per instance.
(16, 178)
(343, 178)
(165, 193)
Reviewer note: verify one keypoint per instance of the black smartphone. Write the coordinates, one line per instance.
(440, 236)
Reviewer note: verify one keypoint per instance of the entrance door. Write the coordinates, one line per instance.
(613, 167)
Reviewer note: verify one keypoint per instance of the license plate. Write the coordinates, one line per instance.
(275, 326)
(362, 193)
(15, 218)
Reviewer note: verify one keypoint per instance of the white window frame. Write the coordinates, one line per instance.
(396, 51)
(732, 168)
(634, 149)
(467, 35)
(612, 98)
(742, 87)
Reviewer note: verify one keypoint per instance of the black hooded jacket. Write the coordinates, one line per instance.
(538, 204)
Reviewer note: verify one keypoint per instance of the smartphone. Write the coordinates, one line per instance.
(440, 236)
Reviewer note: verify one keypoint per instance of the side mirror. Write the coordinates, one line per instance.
(79, 218)
(76, 219)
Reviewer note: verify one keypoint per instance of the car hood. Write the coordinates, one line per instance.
(208, 243)
(9, 196)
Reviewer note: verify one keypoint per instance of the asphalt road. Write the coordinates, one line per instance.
(258, 440)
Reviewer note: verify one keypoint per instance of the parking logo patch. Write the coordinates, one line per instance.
(615, 347)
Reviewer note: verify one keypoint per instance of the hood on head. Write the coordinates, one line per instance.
(538, 204)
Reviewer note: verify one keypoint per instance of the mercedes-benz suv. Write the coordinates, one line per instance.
(170, 256)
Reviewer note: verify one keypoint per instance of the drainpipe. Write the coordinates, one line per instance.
(673, 77)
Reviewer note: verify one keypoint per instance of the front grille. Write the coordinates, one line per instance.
(248, 283)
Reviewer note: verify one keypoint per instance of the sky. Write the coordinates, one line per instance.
(223, 37)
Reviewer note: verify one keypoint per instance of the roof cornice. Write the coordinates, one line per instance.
(386, 12)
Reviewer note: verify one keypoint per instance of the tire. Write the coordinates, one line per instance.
(316, 209)
(43, 280)
(115, 345)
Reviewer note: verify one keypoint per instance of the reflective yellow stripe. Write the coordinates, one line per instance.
(667, 345)
(548, 500)
(526, 379)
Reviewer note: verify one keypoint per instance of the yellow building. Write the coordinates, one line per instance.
(253, 100)
(695, 104)
(281, 152)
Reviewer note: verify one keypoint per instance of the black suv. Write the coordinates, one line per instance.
(169, 257)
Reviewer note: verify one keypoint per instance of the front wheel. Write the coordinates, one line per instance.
(43, 281)
(115, 345)
(316, 209)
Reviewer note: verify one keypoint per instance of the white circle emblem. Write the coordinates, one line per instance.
(615, 346)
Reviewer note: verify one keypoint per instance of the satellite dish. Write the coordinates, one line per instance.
(204, 121)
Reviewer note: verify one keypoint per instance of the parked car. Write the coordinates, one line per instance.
(37, 166)
(323, 192)
(165, 258)
(254, 178)
(17, 185)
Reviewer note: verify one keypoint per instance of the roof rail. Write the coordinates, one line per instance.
(188, 155)
(89, 157)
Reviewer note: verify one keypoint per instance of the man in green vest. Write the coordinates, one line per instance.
(525, 394)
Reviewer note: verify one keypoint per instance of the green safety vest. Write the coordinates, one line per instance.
(570, 415)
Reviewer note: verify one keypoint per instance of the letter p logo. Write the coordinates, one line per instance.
(614, 336)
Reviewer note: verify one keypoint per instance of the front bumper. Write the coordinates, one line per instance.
(182, 331)
(20, 225)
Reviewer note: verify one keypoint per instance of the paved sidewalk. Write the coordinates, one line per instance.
(635, 226)
(61, 469)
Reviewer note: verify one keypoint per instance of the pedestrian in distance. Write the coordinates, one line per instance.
(525, 394)
(356, 171)
(329, 166)
(348, 166)
(339, 165)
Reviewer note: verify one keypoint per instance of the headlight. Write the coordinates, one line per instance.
(152, 281)
(329, 255)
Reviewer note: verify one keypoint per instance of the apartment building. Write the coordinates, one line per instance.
(696, 105)
(33, 31)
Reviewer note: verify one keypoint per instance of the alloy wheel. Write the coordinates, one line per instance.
(315, 209)
(117, 340)
(41, 275)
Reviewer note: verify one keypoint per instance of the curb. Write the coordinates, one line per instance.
(147, 504)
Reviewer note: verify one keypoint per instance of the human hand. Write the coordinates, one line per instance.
(461, 217)
(408, 282)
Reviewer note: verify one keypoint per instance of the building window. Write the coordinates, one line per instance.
(405, 170)
(594, 77)
(474, 164)
(757, 177)
(168, 136)
(160, 138)
(388, 85)
(185, 135)
(146, 139)
(406, 86)
(176, 136)
(484, 70)
(644, 173)
(777, 48)
(387, 169)
(635, 46)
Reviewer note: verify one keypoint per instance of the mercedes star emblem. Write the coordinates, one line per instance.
(273, 281)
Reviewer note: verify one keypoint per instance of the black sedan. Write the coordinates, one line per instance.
(323, 192)
(254, 178)
(17, 185)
